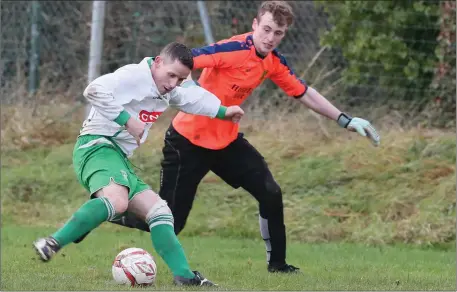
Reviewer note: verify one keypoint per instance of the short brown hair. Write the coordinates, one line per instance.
(177, 51)
(281, 11)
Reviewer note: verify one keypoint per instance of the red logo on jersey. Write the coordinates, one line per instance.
(149, 117)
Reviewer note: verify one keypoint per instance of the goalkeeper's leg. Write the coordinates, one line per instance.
(241, 165)
(128, 219)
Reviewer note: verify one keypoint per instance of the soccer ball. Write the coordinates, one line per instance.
(134, 267)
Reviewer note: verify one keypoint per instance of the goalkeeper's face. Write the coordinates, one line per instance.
(168, 74)
(267, 34)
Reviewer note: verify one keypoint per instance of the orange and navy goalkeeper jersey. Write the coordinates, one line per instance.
(232, 70)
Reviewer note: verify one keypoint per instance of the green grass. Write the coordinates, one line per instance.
(235, 264)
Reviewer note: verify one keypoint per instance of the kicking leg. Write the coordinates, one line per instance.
(149, 207)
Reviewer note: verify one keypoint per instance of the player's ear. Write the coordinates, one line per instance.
(158, 61)
(255, 24)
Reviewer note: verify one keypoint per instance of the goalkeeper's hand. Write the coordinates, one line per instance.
(361, 126)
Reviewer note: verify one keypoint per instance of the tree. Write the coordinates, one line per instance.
(386, 44)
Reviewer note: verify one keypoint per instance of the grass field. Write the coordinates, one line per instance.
(235, 264)
(358, 217)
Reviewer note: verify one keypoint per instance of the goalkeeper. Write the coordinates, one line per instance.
(125, 104)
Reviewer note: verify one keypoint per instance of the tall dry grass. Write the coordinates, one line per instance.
(337, 186)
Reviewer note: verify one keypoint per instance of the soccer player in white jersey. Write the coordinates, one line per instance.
(125, 104)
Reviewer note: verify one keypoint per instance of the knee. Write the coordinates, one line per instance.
(117, 196)
(120, 205)
(159, 214)
(273, 194)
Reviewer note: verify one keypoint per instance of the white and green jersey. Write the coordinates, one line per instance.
(130, 91)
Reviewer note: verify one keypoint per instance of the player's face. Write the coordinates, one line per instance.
(168, 74)
(267, 33)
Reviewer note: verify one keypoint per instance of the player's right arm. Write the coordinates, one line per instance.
(285, 78)
(106, 100)
(99, 94)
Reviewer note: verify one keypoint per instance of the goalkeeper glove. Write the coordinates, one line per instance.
(360, 126)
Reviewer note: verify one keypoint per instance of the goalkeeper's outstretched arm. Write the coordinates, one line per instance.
(318, 103)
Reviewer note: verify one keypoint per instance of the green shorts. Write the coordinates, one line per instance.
(98, 161)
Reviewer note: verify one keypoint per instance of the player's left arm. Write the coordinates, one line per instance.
(293, 86)
(193, 99)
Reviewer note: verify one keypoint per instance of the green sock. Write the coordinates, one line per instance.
(168, 247)
(90, 215)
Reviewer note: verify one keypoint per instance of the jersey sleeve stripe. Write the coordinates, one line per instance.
(283, 61)
(220, 48)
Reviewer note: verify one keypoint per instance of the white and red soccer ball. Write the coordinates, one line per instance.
(134, 267)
